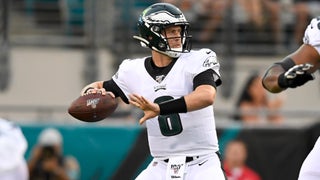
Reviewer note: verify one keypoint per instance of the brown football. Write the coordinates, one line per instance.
(92, 107)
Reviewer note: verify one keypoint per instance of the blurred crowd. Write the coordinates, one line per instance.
(259, 15)
(235, 162)
(48, 161)
(256, 106)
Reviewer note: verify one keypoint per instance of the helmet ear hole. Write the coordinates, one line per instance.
(162, 46)
(156, 29)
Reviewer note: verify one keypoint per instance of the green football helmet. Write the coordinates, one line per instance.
(152, 23)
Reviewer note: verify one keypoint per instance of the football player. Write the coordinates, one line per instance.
(293, 71)
(176, 89)
(13, 147)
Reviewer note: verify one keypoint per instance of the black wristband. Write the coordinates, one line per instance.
(286, 64)
(87, 89)
(282, 81)
(173, 106)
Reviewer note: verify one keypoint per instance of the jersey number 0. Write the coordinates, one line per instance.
(170, 125)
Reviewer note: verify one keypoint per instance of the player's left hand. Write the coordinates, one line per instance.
(150, 109)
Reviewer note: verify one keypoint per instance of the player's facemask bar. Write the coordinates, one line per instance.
(158, 42)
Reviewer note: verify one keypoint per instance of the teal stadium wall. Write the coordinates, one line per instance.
(121, 152)
(99, 150)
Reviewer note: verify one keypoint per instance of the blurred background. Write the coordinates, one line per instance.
(50, 49)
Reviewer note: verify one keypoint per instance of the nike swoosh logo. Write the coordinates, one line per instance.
(200, 164)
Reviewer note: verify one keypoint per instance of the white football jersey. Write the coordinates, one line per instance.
(192, 133)
(13, 146)
(312, 34)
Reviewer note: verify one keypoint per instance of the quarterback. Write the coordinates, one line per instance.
(176, 88)
(295, 70)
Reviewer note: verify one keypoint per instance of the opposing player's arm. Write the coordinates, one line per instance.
(293, 71)
(270, 78)
(307, 54)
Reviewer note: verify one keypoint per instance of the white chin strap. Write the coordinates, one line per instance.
(174, 52)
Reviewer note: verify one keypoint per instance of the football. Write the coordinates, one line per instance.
(92, 107)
